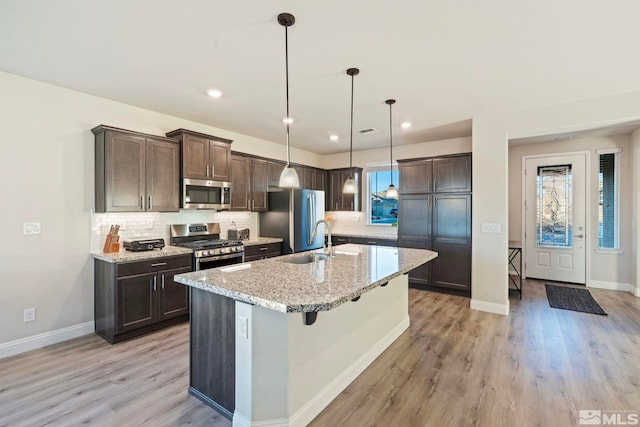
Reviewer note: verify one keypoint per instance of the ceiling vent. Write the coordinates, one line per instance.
(368, 131)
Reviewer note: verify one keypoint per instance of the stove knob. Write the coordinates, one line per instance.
(224, 250)
(205, 253)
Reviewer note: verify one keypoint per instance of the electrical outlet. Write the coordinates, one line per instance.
(29, 314)
(243, 327)
(30, 228)
(231, 221)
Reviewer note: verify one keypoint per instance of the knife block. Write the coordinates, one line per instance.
(111, 244)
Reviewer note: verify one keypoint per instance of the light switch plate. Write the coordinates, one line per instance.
(490, 228)
(29, 228)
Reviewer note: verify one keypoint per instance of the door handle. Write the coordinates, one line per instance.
(150, 202)
(207, 171)
(141, 202)
(162, 282)
(579, 236)
(155, 283)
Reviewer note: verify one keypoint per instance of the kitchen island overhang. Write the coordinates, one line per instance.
(255, 360)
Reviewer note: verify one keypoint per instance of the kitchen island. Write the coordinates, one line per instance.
(274, 341)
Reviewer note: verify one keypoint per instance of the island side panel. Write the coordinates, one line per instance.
(212, 355)
(329, 355)
(287, 372)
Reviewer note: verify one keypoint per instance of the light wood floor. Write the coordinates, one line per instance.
(453, 367)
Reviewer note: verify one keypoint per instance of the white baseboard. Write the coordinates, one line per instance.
(490, 307)
(614, 286)
(240, 421)
(315, 405)
(12, 348)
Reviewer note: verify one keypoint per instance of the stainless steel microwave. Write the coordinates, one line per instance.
(204, 194)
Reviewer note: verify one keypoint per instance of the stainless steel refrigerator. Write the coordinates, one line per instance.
(292, 216)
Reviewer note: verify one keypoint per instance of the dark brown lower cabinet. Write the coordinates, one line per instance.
(452, 240)
(257, 252)
(441, 223)
(133, 298)
(213, 348)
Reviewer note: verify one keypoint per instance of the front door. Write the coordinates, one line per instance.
(555, 206)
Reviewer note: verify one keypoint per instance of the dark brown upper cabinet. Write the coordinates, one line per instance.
(450, 174)
(204, 156)
(336, 200)
(275, 169)
(249, 178)
(135, 172)
(310, 178)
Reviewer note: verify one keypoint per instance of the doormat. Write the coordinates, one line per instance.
(574, 299)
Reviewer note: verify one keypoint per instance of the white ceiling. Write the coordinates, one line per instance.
(444, 61)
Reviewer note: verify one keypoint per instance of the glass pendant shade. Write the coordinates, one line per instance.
(392, 192)
(350, 186)
(289, 178)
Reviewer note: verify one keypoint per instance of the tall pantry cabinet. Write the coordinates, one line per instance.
(434, 212)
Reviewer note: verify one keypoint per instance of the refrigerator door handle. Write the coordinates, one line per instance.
(311, 213)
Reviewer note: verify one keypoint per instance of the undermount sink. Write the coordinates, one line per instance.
(306, 259)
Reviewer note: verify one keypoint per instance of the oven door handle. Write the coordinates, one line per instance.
(219, 257)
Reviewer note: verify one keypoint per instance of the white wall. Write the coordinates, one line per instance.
(364, 158)
(47, 169)
(491, 132)
(355, 223)
(635, 147)
(605, 266)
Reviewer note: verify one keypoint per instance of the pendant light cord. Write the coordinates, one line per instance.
(351, 138)
(286, 62)
(391, 143)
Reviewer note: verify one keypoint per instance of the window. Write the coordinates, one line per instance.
(554, 206)
(382, 210)
(608, 199)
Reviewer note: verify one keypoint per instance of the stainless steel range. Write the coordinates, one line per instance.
(209, 251)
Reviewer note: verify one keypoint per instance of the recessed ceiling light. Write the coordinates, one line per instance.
(214, 93)
(334, 137)
(405, 125)
(287, 120)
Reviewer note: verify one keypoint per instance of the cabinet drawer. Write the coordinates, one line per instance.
(340, 240)
(373, 241)
(260, 250)
(153, 265)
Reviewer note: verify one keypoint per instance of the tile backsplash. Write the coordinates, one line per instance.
(144, 225)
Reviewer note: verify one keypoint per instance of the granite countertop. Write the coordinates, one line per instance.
(128, 256)
(261, 241)
(317, 286)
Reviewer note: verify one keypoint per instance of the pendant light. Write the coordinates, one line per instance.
(392, 191)
(350, 184)
(288, 177)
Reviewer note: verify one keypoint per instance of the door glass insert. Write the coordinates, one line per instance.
(554, 206)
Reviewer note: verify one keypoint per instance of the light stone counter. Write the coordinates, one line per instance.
(254, 241)
(129, 256)
(317, 286)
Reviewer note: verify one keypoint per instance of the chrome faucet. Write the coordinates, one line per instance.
(327, 248)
